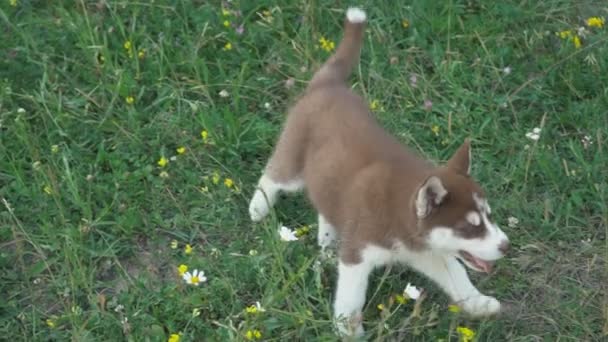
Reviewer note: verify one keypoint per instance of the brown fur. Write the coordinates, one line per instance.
(361, 179)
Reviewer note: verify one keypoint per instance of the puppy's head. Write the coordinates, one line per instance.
(454, 213)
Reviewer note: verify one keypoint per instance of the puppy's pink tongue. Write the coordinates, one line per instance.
(486, 266)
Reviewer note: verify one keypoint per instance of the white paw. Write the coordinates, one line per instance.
(258, 207)
(349, 327)
(481, 306)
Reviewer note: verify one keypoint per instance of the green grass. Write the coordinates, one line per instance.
(86, 220)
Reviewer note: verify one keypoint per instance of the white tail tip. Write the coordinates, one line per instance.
(355, 15)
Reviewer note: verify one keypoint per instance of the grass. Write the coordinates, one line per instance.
(88, 216)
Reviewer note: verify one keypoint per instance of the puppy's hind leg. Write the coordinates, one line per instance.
(282, 173)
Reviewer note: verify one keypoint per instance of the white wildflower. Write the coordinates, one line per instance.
(512, 222)
(195, 277)
(287, 234)
(412, 291)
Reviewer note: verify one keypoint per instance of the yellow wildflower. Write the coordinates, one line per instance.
(205, 136)
(327, 44)
(50, 323)
(162, 162)
(565, 34)
(400, 299)
(182, 269)
(55, 148)
(251, 309)
(13, 3)
(405, 23)
(595, 22)
(141, 54)
(253, 334)
(576, 40)
(374, 105)
(466, 334)
(227, 47)
(173, 338)
(302, 231)
(453, 308)
(435, 129)
(181, 150)
(48, 190)
(380, 307)
(127, 45)
(188, 249)
(229, 183)
(174, 244)
(226, 23)
(130, 100)
(215, 178)
(225, 12)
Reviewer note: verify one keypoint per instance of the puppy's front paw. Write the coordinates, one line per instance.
(481, 305)
(258, 207)
(349, 327)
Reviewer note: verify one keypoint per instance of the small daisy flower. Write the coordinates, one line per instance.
(130, 100)
(512, 222)
(174, 244)
(587, 141)
(224, 93)
(162, 162)
(227, 47)
(194, 278)
(595, 22)
(229, 183)
(174, 338)
(188, 249)
(182, 269)
(466, 334)
(411, 291)
(253, 335)
(565, 34)
(287, 234)
(534, 134)
(181, 150)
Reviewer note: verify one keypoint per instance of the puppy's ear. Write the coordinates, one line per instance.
(430, 195)
(461, 160)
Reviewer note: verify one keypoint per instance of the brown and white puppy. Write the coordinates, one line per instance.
(383, 202)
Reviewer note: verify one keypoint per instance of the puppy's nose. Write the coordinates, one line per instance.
(504, 247)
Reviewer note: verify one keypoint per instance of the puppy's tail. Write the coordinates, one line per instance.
(339, 66)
